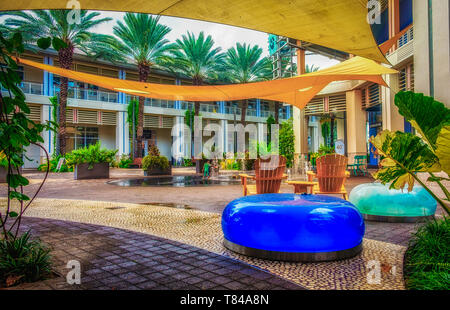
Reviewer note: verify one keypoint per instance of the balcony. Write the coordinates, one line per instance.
(89, 94)
(30, 88)
(405, 48)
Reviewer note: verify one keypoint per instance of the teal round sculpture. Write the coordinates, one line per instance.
(377, 202)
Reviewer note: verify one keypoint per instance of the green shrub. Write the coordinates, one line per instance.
(155, 162)
(54, 164)
(125, 161)
(24, 258)
(90, 155)
(187, 162)
(427, 260)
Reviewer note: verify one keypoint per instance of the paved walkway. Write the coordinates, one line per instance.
(114, 258)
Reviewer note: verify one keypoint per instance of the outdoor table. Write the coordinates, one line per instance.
(302, 187)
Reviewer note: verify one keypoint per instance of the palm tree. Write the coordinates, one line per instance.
(244, 65)
(196, 58)
(54, 23)
(141, 39)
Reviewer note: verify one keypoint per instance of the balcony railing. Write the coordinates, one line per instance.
(31, 88)
(89, 94)
(407, 37)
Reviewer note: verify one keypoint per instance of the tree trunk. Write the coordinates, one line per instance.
(144, 71)
(244, 111)
(65, 56)
(277, 112)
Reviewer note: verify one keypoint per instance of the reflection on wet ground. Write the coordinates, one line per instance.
(177, 181)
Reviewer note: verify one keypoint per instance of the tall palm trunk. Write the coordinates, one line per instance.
(65, 56)
(244, 111)
(144, 71)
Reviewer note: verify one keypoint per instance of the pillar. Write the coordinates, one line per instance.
(356, 125)
(392, 120)
(122, 133)
(48, 135)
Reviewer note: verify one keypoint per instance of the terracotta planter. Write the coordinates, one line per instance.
(98, 171)
(158, 171)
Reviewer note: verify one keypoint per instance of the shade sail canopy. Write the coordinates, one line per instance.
(337, 24)
(297, 90)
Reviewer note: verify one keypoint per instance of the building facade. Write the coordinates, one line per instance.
(96, 114)
(363, 109)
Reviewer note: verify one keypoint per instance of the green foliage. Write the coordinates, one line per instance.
(406, 154)
(155, 162)
(132, 102)
(28, 260)
(323, 150)
(427, 259)
(187, 162)
(154, 151)
(17, 131)
(54, 102)
(125, 161)
(270, 121)
(195, 57)
(54, 164)
(287, 140)
(90, 155)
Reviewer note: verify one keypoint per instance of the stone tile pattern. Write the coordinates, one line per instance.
(113, 258)
(203, 230)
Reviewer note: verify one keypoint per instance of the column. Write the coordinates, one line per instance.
(48, 135)
(178, 149)
(224, 126)
(122, 96)
(177, 102)
(122, 133)
(392, 120)
(258, 107)
(356, 125)
(48, 78)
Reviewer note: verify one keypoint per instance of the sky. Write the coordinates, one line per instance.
(224, 36)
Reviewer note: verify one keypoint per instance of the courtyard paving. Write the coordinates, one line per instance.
(75, 209)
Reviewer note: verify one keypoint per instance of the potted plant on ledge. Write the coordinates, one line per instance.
(91, 162)
(155, 164)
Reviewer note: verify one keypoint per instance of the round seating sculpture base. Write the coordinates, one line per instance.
(396, 219)
(289, 227)
(293, 256)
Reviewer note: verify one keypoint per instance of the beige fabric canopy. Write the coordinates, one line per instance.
(297, 91)
(338, 24)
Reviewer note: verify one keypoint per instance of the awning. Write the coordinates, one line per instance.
(297, 91)
(337, 24)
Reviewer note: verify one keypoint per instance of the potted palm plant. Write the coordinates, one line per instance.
(91, 162)
(155, 164)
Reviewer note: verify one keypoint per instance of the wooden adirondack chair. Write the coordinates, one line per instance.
(268, 176)
(331, 175)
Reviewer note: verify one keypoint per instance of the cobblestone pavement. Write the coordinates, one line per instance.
(114, 258)
(203, 230)
(383, 241)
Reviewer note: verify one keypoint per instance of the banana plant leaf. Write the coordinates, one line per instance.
(425, 114)
(404, 155)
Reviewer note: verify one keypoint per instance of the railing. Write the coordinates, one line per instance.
(30, 88)
(211, 108)
(407, 37)
(89, 94)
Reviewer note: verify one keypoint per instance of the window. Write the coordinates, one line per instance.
(85, 136)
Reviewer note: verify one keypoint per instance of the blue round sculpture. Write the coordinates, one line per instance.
(379, 203)
(293, 227)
